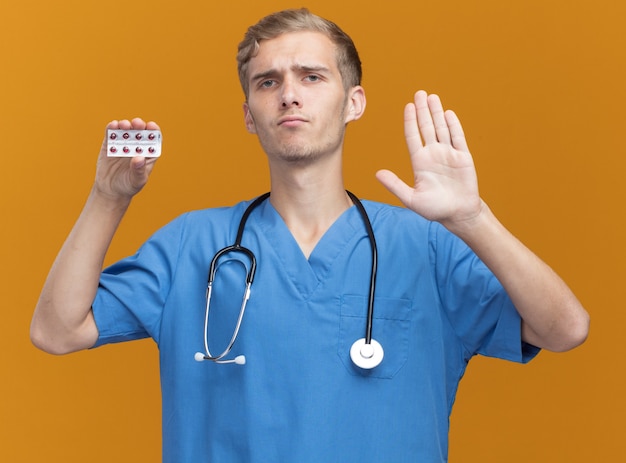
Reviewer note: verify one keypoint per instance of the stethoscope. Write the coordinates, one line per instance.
(366, 353)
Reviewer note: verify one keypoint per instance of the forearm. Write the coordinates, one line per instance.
(553, 318)
(63, 320)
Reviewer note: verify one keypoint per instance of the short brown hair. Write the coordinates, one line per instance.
(295, 20)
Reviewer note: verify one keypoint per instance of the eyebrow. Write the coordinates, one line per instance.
(318, 68)
(297, 67)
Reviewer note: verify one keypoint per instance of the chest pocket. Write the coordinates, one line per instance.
(391, 326)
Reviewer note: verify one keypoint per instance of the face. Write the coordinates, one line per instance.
(297, 104)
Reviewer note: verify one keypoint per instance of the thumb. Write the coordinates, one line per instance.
(138, 163)
(139, 172)
(396, 186)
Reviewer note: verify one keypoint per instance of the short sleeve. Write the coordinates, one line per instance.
(480, 311)
(132, 292)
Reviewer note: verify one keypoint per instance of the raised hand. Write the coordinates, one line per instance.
(445, 187)
(122, 178)
(63, 321)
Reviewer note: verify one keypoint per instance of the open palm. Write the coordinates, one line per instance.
(445, 186)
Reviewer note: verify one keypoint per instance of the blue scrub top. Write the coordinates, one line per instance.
(299, 397)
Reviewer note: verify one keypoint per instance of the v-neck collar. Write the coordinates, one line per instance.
(305, 274)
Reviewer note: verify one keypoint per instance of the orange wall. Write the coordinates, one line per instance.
(538, 85)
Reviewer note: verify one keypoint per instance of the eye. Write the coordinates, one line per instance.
(267, 83)
(312, 78)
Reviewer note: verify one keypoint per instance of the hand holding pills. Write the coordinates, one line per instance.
(130, 149)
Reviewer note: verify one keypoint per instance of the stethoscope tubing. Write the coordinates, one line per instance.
(370, 303)
(231, 343)
(365, 352)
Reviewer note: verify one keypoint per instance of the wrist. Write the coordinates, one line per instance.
(107, 201)
(487, 237)
(474, 226)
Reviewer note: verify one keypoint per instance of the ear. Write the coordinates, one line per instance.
(355, 103)
(248, 119)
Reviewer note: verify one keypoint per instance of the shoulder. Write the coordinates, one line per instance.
(209, 217)
(215, 221)
(403, 225)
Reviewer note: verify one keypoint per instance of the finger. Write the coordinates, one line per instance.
(125, 124)
(439, 120)
(138, 124)
(152, 126)
(424, 118)
(411, 132)
(396, 186)
(457, 136)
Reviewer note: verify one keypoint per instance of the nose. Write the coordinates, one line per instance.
(289, 95)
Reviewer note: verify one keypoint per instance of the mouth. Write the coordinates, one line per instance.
(291, 121)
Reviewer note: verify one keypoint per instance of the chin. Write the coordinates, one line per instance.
(300, 152)
(296, 153)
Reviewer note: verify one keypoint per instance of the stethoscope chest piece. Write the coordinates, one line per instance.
(366, 356)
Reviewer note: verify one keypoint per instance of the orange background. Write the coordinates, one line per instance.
(539, 86)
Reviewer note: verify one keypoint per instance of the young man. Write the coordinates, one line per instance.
(450, 280)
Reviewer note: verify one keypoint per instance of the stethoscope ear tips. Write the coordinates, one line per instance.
(366, 356)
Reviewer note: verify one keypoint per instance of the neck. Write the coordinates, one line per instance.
(309, 201)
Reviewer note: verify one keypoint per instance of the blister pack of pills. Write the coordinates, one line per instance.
(130, 143)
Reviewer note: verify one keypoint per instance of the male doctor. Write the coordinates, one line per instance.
(451, 282)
